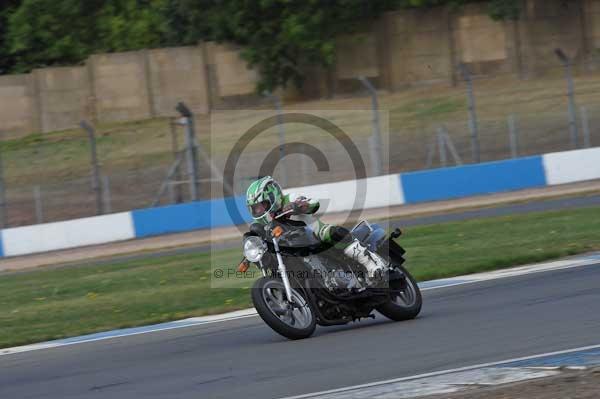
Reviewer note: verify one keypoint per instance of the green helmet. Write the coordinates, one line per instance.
(264, 198)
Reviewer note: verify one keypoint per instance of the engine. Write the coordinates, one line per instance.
(332, 276)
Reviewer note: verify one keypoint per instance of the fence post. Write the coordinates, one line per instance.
(191, 150)
(473, 127)
(373, 155)
(450, 146)
(3, 208)
(430, 153)
(166, 184)
(585, 124)
(37, 198)
(513, 135)
(171, 191)
(176, 194)
(106, 200)
(442, 147)
(95, 167)
(567, 64)
(376, 140)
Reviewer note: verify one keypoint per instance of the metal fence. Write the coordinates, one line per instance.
(140, 164)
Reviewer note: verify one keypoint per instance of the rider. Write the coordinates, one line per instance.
(266, 201)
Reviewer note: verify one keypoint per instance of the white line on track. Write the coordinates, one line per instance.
(197, 321)
(437, 373)
(513, 272)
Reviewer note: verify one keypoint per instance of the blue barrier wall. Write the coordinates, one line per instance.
(463, 181)
(1, 246)
(191, 216)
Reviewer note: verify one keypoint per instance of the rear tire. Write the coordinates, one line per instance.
(406, 303)
(269, 299)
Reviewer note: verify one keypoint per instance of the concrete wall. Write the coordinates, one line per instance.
(357, 56)
(419, 47)
(178, 74)
(592, 24)
(120, 86)
(547, 25)
(109, 88)
(403, 48)
(486, 46)
(18, 105)
(233, 77)
(64, 97)
(231, 83)
(414, 47)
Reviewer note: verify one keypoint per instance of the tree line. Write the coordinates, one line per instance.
(278, 36)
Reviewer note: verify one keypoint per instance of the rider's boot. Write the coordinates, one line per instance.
(371, 261)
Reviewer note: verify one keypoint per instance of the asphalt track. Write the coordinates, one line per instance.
(459, 326)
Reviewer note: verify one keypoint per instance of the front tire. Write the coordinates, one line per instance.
(406, 299)
(269, 299)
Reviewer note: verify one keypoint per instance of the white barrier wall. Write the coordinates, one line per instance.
(381, 191)
(69, 234)
(572, 166)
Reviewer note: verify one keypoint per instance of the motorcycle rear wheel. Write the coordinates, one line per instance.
(293, 322)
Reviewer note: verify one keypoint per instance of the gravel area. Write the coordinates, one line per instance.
(570, 384)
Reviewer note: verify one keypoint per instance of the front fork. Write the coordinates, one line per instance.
(283, 271)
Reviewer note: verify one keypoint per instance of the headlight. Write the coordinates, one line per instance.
(254, 248)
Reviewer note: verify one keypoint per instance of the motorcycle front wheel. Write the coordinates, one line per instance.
(296, 321)
(406, 299)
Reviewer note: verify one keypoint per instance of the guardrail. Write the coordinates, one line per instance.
(381, 191)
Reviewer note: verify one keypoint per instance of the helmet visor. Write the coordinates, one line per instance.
(260, 209)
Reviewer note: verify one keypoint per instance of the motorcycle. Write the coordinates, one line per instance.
(306, 283)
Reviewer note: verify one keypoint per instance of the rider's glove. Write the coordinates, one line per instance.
(301, 205)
